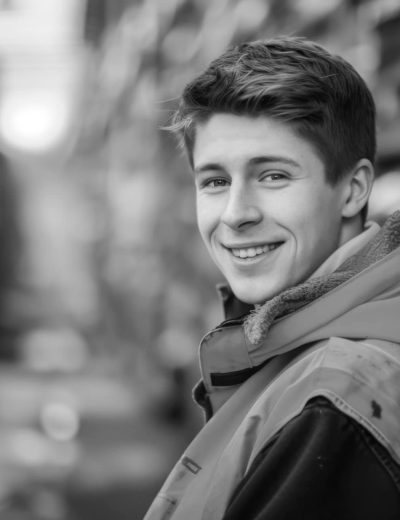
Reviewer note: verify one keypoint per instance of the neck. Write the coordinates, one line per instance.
(351, 228)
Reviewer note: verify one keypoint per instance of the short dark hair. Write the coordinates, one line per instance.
(293, 80)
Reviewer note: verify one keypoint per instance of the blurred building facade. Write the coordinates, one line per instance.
(105, 287)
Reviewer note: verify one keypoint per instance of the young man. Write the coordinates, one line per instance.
(301, 383)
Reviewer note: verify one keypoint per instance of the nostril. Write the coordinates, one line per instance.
(245, 224)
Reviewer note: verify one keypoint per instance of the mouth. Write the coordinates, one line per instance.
(249, 253)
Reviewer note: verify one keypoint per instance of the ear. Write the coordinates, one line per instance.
(358, 188)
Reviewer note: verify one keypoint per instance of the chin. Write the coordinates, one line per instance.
(253, 298)
(252, 295)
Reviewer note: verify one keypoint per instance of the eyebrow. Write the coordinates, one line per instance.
(273, 158)
(254, 161)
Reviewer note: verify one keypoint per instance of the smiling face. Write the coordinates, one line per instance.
(265, 210)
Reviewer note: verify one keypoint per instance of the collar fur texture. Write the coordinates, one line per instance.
(258, 322)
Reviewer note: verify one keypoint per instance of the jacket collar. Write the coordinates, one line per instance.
(369, 252)
(229, 354)
(233, 307)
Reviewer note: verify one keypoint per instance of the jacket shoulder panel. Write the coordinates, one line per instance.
(296, 470)
(362, 379)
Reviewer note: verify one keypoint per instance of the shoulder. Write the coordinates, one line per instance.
(360, 379)
(323, 464)
(322, 428)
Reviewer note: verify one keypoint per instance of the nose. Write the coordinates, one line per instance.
(241, 210)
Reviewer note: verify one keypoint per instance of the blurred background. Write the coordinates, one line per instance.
(105, 288)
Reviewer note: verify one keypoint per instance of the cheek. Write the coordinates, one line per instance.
(205, 217)
(208, 211)
(317, 230)
(307, 223)
(312, 210)
(294, 214)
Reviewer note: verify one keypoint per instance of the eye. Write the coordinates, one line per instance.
(275, 178)
(214, 183)
(271, 177)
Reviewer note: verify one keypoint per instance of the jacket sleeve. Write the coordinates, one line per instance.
(322, 465)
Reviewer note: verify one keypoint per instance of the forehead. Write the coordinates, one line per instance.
(232, 139)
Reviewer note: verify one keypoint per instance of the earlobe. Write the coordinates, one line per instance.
(358, 188)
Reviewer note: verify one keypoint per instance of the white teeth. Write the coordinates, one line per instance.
(251, 252)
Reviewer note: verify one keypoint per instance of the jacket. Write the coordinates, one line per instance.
(303, 390)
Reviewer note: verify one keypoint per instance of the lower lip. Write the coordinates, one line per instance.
(251, 260)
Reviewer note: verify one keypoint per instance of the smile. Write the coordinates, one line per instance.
(252, 252)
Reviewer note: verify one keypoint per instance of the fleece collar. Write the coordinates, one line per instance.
(344, 303)
(348, 249)
(259, 321)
